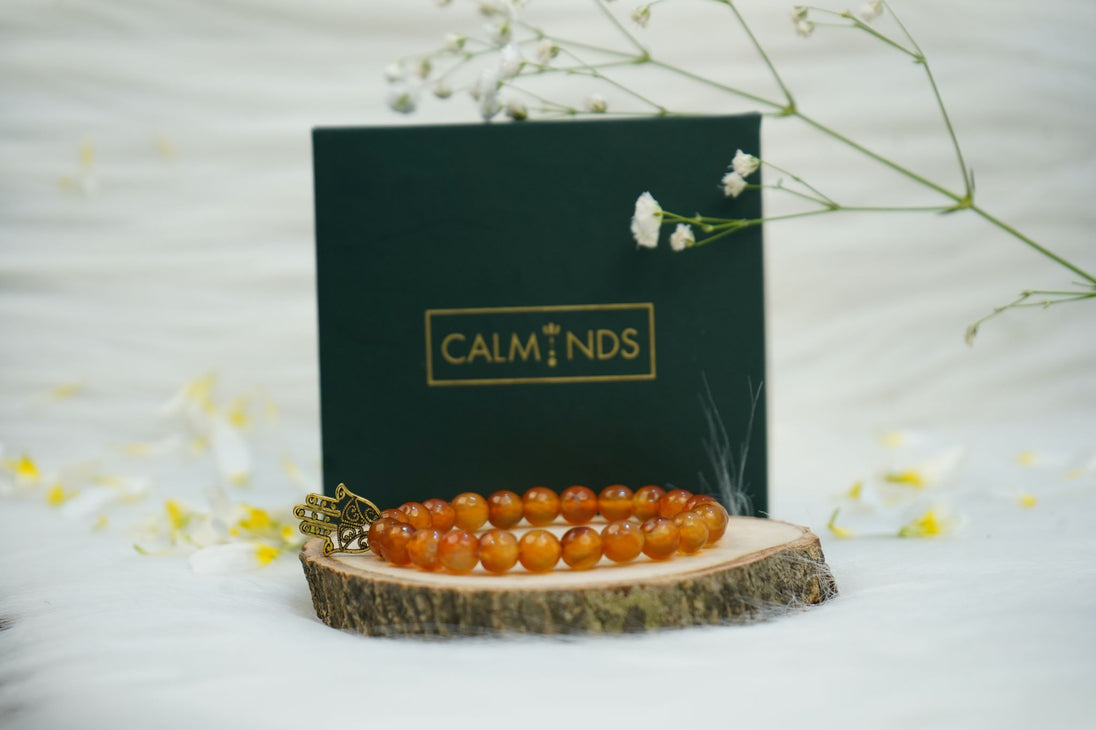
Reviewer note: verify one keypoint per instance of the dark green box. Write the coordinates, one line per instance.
(487, 322)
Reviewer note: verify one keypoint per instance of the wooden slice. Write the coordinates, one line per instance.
(758, 568)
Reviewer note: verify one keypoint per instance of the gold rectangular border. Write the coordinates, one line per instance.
(431, 382)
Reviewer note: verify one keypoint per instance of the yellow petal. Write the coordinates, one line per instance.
(893, 439)
(833, 528)
(255, 519)
(855, 491)
(58, 495)
(265, 553)
(177, 514)
(1027, 500)
(927, 525)
(164, 147)
(239, 478)
(1026, 458)
(911, 477)
(87, 155)
(24, 468)
(66, 390)
(237, 412)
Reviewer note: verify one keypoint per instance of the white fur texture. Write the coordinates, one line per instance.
(176, 264)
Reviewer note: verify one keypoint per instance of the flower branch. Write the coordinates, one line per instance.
(506, 64)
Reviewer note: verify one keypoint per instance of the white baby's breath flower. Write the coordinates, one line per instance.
(493, 8)
(804, 28)
(642, 15)
(486, 92)
(516, 110)
(646, 221)
(596, 104)
(744, 164)
(423, 67)
(499, 33)
(733, 185)
(510, 61)
(454, 42)
(682, 237)
(870, 11)
(442, 90)
(799, 12)
(546, 51)
(489, 106)
(970, 334)
(401, 99)
(394, 72)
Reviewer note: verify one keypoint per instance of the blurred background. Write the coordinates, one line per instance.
(156, 203)
(156, 258)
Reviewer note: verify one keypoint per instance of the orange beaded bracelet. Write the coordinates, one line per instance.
(436, 534)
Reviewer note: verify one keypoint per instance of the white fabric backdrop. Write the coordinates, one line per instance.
(191, 250)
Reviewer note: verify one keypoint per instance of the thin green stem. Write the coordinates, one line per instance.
(1052, 293)
(584, 46)
(589, 70)
(902, 27)
(883, 160)
(761, 52)
(887, 40)
(1021, 302)
(1051, 302)
(951, 130)
(715, 84)
(919, 56)
(643, 52)
(548, 102)
(1046, 252)
(894, 208)
(827, 199)
(790, 191)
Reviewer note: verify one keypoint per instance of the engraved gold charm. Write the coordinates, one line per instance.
(346, 518)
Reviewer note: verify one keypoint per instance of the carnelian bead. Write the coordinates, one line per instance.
(498, 550)
(697, 500)
(417, 515)
(442, 516)
(715, 517)
(539, 550)
(395, 543)
(471, 509)
(458, 551)
(541, 506)
(693, 531)
(581, 547)
(622, 541)
(615, 502)
(578, 504)
(660, 538)
(646, 501)
(504, 509)
(377, 533)
(673, 503)
(394, 514)
(423, 548)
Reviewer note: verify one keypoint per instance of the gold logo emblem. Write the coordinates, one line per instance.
(550, 344)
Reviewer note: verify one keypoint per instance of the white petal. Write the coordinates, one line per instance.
(235, 557)
(230, 452)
